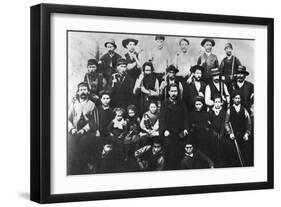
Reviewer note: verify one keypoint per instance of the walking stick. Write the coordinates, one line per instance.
(237, 148)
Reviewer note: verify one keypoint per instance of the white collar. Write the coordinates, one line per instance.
(217, 111)
(237, 108)
(189, 155)
(240, 84)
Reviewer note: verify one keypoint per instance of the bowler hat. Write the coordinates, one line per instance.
(125, 42)
(207, 40)
(112, 42)
(172, 68)
(215, 71)
(121, 61)
(242, 70)
(228, 45)
(196, 67)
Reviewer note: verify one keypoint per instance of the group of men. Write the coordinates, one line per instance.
(162, 113)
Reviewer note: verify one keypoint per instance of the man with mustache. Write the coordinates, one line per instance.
(122, 86)
(109, 60)
(229, 64)
(82, 128)
(216, 87)
(244, 88)
(173, 125)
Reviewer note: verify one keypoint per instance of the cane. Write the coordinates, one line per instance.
(237, 148)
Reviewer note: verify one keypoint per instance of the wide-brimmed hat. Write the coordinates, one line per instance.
(112, 42)
(172, 68)
(208, 40)
(121, 61)
(215, 71)
(125, 42)
(196, 67)
(242, 70)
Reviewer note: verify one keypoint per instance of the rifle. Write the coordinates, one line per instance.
(237, 148)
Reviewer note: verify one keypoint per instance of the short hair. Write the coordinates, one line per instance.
(149, 63)
(104, 93)
(183, 39)
(132, 107)
(153, 102)
(236, 93)
(159, 37)
(118, 109)
(216, 96)
(83, 84)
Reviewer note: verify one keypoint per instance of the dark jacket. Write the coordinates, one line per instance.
(108, 64)
(191, 93)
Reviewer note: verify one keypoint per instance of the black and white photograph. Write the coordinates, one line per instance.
(150, 102)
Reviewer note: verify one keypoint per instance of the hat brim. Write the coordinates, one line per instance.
(193, 69)
(174, 70)
(208, 40)
(243, 72)
(215, 73)
(125, 42)
(111, 44)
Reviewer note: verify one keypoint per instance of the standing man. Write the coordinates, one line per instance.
(109, 60)
(122, 86)
(82, 128)
(229, 64)
(207, 59)
(244, 88)
(132, 57)
(196, 87)
(216, 87)
(160, 57)
(183, 61)
(238, 126)
(170, 78)
(173, 125)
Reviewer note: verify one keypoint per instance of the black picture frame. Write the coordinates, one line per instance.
(41, 102)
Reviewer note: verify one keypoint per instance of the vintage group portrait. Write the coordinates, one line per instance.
(146, 102)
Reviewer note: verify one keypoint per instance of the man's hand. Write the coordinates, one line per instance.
(98, 133)
(73, 131)
(246, 137)
(185, 132)
(81, 132)
(231, 136)
(166, 133)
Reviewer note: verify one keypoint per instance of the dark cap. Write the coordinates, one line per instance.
(242, 70)
(228, 45)
(112, 42)
(215, 71)
(172, 68)
(196, 67)
(121, 61)
(92, 62)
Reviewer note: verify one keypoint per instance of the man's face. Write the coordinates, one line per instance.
(236, 100)
(240, 77)
(159, 43)
(131, 46)
(197, 75)
(184, 46)
(147, 70)
(153, 108)
(208, 46)
(156, 148)
(171, 75)
(173, 92)
(216, 78)
(198, 105)
(131, 113)
(83, 92)
(105, 100)
(119, 115)
(107, 148)
(188, 149)
(217, 103)
(110, 48)
(92, 68)
(121, 69)
(228, 51)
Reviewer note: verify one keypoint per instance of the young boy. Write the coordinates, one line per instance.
(106, 160)
(117, 130)
(150, 157)
(195, 159)
(217, 120)
(96, 81)
(199, 126)
(149, 124)
(131, 140)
